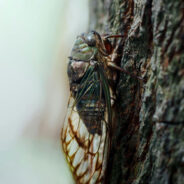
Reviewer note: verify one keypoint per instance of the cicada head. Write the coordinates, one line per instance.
(88, 45)
(84, 48)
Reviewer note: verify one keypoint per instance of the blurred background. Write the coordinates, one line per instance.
(36, 39)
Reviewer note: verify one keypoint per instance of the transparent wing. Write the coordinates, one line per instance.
(85, 134)
(86, 153)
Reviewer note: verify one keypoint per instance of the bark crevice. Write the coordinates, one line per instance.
(148, 137)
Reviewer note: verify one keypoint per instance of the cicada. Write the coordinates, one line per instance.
(85, 134)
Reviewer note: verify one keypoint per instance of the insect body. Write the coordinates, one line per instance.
(85, 134)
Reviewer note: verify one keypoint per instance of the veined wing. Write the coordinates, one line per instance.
(86, 153)
(85, 138)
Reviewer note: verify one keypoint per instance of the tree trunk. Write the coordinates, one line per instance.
(148, 135)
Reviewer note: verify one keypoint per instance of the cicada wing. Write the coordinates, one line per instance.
(86, 153)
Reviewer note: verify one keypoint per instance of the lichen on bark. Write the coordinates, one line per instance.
(148, 139)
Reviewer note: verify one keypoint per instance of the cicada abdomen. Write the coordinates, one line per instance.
(85, 134)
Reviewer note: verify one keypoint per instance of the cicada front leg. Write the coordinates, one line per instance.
(113, 55)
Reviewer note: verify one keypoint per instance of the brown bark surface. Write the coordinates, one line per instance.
(148, 136)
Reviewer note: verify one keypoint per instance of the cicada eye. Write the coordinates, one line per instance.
(90, 40)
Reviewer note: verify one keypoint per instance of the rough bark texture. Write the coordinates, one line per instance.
(148, 137)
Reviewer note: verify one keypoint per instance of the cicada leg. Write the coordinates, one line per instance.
(114, 55)
(113, 65)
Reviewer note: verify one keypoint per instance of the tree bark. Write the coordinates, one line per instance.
(148, 135)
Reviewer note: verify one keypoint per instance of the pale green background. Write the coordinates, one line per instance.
(36, 37)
